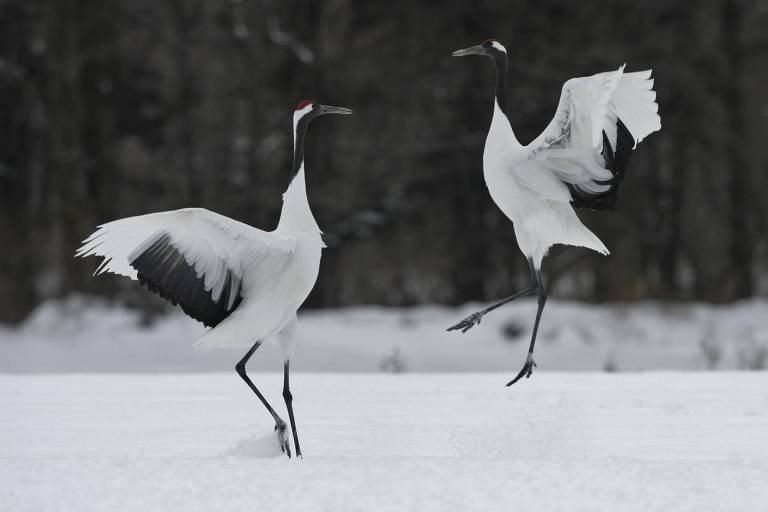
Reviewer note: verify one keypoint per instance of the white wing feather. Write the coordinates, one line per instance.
(211, 243)
(569, 149)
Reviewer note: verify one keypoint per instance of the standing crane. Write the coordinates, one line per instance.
(244, 283)
(579, 160)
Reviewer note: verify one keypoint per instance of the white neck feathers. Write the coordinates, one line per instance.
(499, 46)
(500, 131)
(296, 214)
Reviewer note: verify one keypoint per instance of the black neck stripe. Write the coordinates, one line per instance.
(298, 155)
(500, 63)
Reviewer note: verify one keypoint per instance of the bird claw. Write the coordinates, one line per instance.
(282, 438)
(467, 323)
(526, 372)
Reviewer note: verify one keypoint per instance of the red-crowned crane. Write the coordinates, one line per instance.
(579, 160)
(244, 283)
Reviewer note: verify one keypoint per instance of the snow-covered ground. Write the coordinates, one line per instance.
(85, 335)
(176, 440)
(559, 441)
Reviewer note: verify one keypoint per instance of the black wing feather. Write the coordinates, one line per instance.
(616, 162)
(165, 271)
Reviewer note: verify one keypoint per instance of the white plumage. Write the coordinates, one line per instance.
(530, 183)
(211, 244)
(263, 265)
(570, 146)
(578, 160)
(245, 283)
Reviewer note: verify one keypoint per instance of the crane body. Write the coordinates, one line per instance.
(578, 161)
(244, 283)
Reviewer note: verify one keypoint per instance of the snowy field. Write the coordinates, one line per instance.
(666, 441)
(85, 335)
(146, 423)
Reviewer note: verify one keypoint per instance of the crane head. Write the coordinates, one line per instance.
(310, 110)
(490, 48)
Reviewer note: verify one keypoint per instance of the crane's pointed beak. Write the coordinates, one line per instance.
(472, 50)
(327, 109)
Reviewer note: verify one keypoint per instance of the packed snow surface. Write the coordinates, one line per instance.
(85, 335)
(423, 442)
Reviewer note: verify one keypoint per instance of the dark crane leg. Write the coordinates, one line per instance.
(474, 319)
(288, 397)
(537, 287)
(280, 426)
(529, 363)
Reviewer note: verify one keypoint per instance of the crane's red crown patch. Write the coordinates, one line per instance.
(303, 104)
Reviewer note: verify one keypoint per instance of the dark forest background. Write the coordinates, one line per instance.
(117, 108)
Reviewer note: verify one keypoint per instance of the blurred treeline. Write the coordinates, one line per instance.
(117, 108)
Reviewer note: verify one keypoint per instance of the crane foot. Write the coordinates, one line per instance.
(468, 323)
(282, 438)
(525, 372)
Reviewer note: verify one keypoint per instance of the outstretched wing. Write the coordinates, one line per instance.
(599, 121)
(192, 257)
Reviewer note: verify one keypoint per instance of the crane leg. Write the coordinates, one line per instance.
(529, 363)
(288, 397)
(475, 318)
(280, 426)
